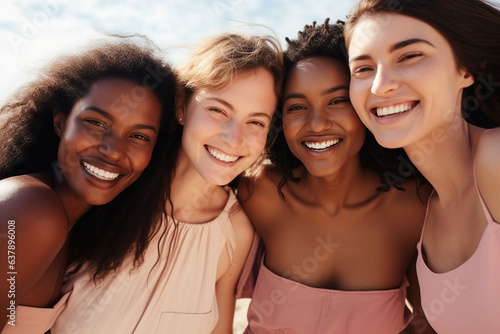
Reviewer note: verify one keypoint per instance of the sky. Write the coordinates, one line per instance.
(33, 32)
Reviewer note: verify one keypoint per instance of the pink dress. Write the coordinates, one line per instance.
(465, 300)
(167, 294)
(280, 305)
(35, 320)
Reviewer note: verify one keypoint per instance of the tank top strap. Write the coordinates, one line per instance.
(425, 218)
(226, 225)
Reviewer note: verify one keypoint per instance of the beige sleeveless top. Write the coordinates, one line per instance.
(174, 296)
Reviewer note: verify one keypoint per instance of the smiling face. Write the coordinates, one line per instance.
(404, 83)
(107, 139)
(319, 123)
(225, 130)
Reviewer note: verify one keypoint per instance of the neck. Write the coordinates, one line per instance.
(74, 206)
(446, 161)
(190, 192)
(350, 186)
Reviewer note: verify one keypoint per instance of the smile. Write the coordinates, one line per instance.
(320, 146)
(393, 110)
(221, 156)
(101, 174)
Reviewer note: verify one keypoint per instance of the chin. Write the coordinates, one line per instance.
(389, 141)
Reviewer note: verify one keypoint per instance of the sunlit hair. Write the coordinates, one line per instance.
(327, 40)
(472, 28)
(218, 59)
(28, 143)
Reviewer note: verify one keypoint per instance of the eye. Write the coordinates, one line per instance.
(217, 110)
(141, 137)
(296, 107)
(361, 70)
(409, 56)
(95, 123)
(258, 123)
(339, 100)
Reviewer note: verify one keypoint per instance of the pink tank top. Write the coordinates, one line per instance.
(280, 305)
(466, 299)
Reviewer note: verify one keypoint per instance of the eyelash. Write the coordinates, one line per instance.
(96, 123)
(339, 100)
(295, 108)
(141, 137)
(410, 56)
(217, 110)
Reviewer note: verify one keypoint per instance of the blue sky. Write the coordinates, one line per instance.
(33, 32)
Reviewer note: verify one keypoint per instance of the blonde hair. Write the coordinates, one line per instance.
(217, 59)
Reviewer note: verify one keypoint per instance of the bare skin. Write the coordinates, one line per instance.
(360, 238)
(45, 207)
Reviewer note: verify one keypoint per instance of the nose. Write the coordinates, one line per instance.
(232, 134)
(319, 119)
(385, 82)
(112, 146)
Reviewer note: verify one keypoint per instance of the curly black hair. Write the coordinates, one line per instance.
(392, 165)
(28, 143)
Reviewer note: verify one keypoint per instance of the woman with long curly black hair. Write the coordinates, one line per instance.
(82, 154)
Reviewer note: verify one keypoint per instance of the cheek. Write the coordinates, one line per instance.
(256, 141)
(71, 144)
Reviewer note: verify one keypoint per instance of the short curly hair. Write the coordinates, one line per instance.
(317, 40)
(327, 40)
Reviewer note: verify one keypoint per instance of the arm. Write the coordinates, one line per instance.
(487, 165)
(226, 284)
(419, 324)
(33, 227)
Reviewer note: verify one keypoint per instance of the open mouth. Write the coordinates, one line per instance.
(221, 156)
(394, 110)
(321, 145)
(99, 173)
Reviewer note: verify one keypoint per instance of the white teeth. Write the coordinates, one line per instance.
(321, 145)
(222, 156)
(100, 173)
(397, 109)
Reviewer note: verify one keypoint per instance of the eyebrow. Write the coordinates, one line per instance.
(407, 42)
(395, 47)
(323, 93)
(221, 101)
(112, 118)
(230, 106)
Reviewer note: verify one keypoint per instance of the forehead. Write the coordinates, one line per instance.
(251, 90)
(380, 31)
(123, 99)
(318, 69)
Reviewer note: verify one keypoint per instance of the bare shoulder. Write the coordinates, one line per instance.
(240, 221)
(260, 191)
(487, 165)
(252, 188)
(36, 209)
(487, 157)
(408, 206)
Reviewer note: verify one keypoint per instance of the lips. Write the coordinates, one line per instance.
(321, 145)
(221, 156)
(394, 109)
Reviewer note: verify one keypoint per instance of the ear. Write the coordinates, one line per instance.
(59, 122)
(179, 114)
(467, 77)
